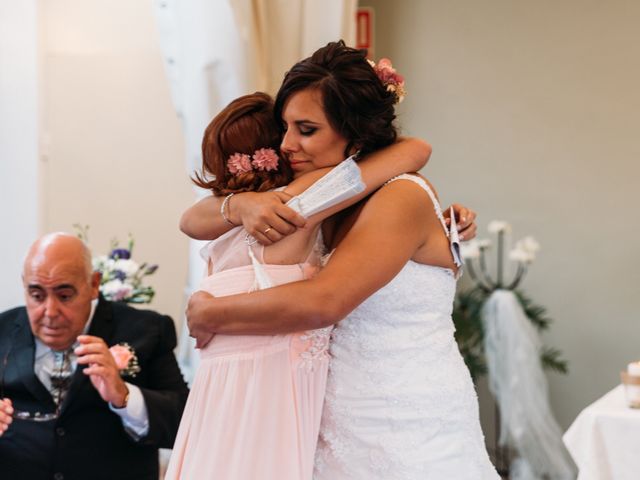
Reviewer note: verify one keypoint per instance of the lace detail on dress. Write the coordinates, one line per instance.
(318, 346)
(400, 403)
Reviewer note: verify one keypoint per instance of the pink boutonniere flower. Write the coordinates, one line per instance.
(126, 359)
(265, 159)
(239, 163)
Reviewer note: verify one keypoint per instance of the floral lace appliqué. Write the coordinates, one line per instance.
(318, 346)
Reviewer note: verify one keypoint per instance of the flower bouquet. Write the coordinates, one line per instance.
(122, 277)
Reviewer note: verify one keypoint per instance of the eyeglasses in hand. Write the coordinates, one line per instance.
(38, 416)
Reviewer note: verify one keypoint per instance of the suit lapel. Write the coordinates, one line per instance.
(101, 326)
(24, 356)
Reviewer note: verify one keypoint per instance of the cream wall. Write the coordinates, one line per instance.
(533, 111)
(114, 149)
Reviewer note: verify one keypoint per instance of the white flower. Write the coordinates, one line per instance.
(528, 244)
(99, 262)
(128, 267)
(470, 250)
(525, 250)
(116, 290)
(521, 255)
(497, 226)
(484, 243)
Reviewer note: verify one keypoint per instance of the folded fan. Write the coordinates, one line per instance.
(342, 182)
(454, 239)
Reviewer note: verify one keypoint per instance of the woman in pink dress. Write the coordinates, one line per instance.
(255, 405)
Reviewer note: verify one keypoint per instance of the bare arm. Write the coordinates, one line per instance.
(257, 211)
(394, 221)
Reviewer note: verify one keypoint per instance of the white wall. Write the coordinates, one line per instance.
(116, 153)
(18, 141)
(533, 111)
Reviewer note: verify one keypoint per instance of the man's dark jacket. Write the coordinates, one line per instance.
(88, 440)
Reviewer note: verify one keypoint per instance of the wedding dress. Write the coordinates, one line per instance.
(400, 403)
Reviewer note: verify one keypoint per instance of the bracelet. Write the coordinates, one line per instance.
(224, 206)
(126, 401)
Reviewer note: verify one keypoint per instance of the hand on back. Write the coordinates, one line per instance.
(465, 219)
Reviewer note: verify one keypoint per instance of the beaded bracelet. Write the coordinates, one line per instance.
(224, 206)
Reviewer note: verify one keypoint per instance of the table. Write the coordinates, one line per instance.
(604, 440)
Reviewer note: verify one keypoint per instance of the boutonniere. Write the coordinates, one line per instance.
(126, 359)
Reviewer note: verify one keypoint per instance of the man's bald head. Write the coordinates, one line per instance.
(59, 285)
(57, 247)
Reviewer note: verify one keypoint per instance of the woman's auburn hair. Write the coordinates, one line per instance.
(244, 126)
(356, 103)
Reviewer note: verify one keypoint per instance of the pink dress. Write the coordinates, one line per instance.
(255, 404)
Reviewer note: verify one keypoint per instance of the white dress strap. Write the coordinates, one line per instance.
(452, 231)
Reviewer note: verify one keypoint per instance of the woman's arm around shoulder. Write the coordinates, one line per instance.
(204, 221)
(388, 231)
(406, 155)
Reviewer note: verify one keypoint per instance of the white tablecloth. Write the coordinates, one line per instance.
(605, 439)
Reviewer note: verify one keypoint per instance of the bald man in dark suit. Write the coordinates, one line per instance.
(97, 421)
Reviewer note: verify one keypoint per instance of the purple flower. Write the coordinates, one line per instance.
(120, 275)
(120, 253)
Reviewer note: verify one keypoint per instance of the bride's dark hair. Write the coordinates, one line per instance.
(357, 104)
(243, 126)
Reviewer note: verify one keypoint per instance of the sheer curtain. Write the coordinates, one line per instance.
(217, 50)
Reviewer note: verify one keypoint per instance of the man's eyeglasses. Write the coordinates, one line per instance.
(59, 386)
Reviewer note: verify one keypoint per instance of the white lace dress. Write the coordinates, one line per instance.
(400, 403)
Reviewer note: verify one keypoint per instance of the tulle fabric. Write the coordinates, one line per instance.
(516, 378)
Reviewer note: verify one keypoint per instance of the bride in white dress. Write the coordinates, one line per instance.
(400, 403)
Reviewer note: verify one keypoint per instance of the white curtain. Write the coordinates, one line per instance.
(217, 50)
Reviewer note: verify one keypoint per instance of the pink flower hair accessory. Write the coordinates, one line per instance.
(126, 360)
(265, 159)
(239, 163)
(392, 80)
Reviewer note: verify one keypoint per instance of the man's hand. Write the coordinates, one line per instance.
(265, 216)
(6, 410)
(102, 369)
(197, 315)
(465, 219)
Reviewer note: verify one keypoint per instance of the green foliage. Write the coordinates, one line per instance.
(470, 332)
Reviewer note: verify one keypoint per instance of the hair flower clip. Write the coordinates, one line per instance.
(264, 160)
(126, 359)
(392, 80)
(239, 163)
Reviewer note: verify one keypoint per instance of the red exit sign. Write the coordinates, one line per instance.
(364, 29)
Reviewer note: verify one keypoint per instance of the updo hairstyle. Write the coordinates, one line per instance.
(356, 103)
